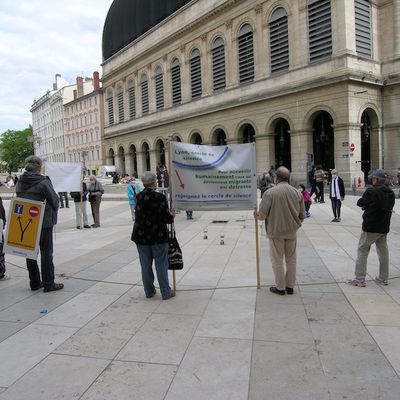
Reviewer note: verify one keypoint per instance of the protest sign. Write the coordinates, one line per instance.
(65, 177)
(213, 177)
(24, 226)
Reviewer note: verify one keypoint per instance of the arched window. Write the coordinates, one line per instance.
(319, 29)
(362, 10)
(159, 81)
(132, 99)
(195, 73)
(218, 64)
(120, 104)
(176, 82)
(246, 54)
(110, 107)
(279, 40)
(144, 88)
(196, 138)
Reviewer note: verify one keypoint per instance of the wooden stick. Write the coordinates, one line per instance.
(257, 251)
(170, 199)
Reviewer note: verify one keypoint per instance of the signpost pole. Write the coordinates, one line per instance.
(170, 198)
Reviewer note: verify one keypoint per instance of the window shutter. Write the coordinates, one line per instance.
(246, 54)
(110, 106)
(362, 10)
(176, 82)
(218, 64)
(159, 81)
(144, 87)
(120, 102)
(132, 99)
(279, 40)
(195, 73)
(319, 29)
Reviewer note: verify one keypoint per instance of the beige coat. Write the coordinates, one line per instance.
(282, 207)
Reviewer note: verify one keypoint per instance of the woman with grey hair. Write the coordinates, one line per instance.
(150, 233)
(95, 192)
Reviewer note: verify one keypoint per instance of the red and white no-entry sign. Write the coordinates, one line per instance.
(33, 211)
(352, 147)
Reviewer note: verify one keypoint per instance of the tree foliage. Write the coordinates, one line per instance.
(15, 147)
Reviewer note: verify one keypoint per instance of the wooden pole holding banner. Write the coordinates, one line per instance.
(257, 250)
(170, 198)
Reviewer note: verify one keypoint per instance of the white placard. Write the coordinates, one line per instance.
(65, 177)
(213, 177)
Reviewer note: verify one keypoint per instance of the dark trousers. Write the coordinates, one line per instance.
(95, 205)
(2, 261)
(307, 205)
(313, 188)
(336, 206)
(61, 195)
(320, 195)
(46, 262)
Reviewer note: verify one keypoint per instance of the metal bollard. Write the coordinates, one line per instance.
(222, 239)
(205, 236)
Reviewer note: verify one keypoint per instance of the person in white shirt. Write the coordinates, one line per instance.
(336, 194)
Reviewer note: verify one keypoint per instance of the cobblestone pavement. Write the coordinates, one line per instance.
(220, 337)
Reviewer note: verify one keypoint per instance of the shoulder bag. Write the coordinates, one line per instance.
(175, 259)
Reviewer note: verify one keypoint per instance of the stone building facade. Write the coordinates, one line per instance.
(310, 81)
(84, 128)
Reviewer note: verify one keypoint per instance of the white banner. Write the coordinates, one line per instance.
(65, 177)
(213, 177)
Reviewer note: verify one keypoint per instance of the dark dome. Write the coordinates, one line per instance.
(128, 19)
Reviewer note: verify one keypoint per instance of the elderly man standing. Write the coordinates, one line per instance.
(33, 185)
(377, 203)
(282, 208)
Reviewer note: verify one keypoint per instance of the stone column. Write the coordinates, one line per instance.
(167, 83)
(343, 32)
(129, 164)
(259, 49)
(230, 56)
(206, 67)
(119, 164)
(151, 89)
(348, 163)
(301, 145)
(396, 17)
(185, 77)
(264, 152)
(153, 160)
(141, 163)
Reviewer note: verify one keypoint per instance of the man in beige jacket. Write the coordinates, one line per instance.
(282, 208)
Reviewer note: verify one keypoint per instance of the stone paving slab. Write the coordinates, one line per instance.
(220, 337)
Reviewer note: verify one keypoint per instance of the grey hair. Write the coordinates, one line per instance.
(32, 163)
(283, 174)
(148, 179)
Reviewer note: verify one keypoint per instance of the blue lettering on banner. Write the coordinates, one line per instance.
(19, 209)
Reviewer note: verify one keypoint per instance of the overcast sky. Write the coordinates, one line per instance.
(39, 38)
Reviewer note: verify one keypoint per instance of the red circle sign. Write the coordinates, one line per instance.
(33, 211)
(352, 147)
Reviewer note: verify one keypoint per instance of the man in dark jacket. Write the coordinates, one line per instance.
(377, 203)
(33, 185)
(336, 194)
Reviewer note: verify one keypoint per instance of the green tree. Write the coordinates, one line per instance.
(15, 147)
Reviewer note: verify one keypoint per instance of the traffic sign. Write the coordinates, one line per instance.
(352, 147)
(24, 226)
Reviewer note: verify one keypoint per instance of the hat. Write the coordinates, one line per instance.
(379, 173)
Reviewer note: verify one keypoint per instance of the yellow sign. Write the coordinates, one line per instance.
(23, 227)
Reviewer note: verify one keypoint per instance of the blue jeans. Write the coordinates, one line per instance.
(158, 253)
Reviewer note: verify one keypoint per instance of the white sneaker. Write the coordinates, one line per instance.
(5, 278)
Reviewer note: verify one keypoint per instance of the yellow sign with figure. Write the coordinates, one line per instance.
(24, 225)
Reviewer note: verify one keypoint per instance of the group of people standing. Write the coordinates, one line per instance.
(283, 208)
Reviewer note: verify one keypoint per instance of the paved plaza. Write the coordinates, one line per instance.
(220, 338)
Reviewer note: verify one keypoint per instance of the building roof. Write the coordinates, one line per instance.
(128, 19)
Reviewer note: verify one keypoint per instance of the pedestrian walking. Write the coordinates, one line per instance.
(320, 177)
(132, 190)
(150, 233)
(33, 185)
(336, 194)
(95, 193)
(3, 275)
(306, 198)
(189, 214)
(313, 183)
(80, 200)
(63, 195)
(282, 208)
(377, 203)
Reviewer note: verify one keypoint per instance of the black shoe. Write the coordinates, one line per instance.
(61, 206)
(87, 226)
(168, 296)
(322, 202)
(275, 290)
(334, 220)
(78, 227)
(289, 290)
(37, 287)
(56, 286)
(149, 296)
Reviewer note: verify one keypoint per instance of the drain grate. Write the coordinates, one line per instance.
(219, 222)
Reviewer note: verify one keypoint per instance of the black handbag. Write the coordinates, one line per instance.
(175, 260)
